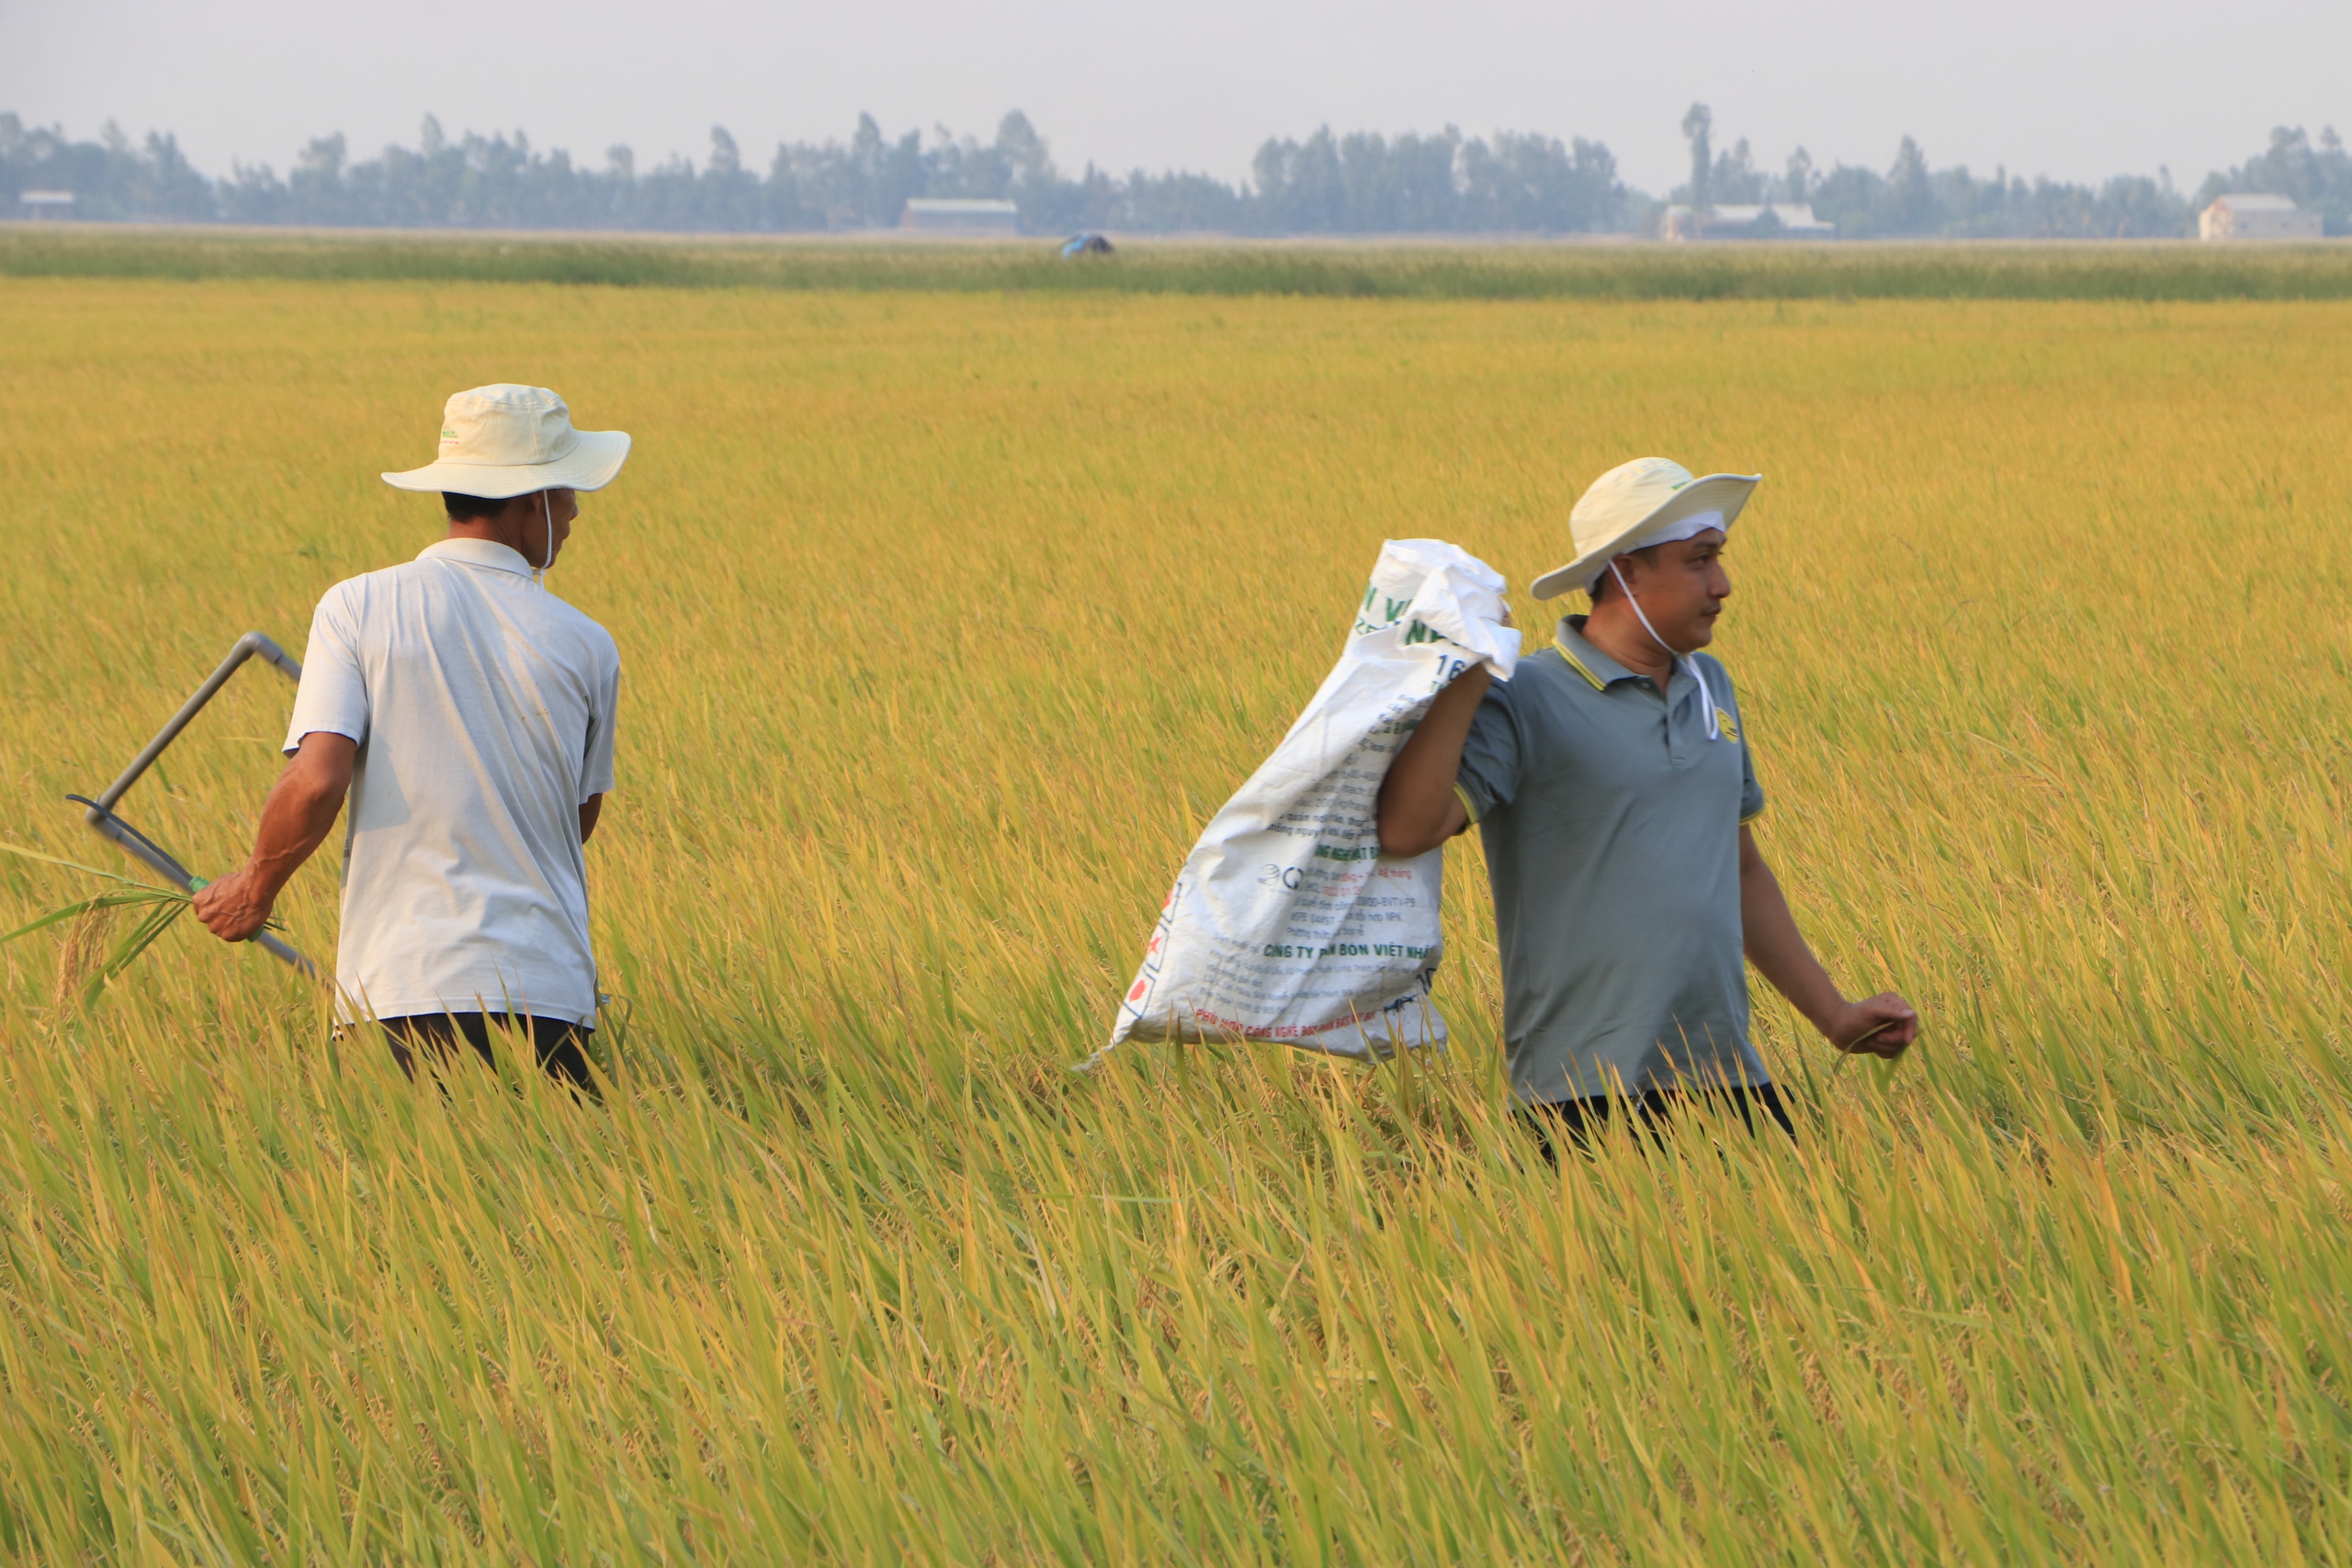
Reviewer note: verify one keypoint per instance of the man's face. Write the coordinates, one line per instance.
(564, 507)
(1682, 587)
(560, 507)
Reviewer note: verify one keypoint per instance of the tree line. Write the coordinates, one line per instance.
(1355, 183)
(1911, 198)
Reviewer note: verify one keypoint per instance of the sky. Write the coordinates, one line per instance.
(2076, 89)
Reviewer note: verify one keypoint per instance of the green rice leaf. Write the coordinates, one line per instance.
(103, 901)
(23, 853)
(54, 917)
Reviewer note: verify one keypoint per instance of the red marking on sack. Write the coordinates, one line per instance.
(1282, 1032)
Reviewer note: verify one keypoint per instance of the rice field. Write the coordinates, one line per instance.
(946, 619)
(1396, 266)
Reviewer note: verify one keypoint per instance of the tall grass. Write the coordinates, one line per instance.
(946, 620)
(1406, 268)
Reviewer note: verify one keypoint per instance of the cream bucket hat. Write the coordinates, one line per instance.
(504, 441)
(1637, 504)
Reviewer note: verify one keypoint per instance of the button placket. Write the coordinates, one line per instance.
(1677, 750)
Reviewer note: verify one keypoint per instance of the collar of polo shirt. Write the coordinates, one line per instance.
(1587, 659)
(1602, 672)
(479, 552)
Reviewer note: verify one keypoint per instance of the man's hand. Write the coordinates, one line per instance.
(295, 820)
(1884, 1025)
(236, 907)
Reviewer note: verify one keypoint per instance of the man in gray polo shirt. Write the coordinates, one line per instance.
(1612, 781)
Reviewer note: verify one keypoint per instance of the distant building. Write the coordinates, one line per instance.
(46, 203)
(2247, 216)
(928, 215)
(1771, 221)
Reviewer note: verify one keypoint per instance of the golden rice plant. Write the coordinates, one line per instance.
(946, 619)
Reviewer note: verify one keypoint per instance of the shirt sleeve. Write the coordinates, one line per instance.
(1752, 793)
(597, 771)
(334, 692)
(1490, 757)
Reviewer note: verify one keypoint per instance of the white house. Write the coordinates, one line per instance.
(932, 215)
(46, 203)
(1745, 220)
(2247, 216)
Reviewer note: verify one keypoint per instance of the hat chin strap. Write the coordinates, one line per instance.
(547, 509)
(1706, 696)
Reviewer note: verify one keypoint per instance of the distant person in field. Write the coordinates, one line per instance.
(1612, 781)
(468, 713)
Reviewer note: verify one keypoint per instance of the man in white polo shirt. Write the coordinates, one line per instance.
(468, 713)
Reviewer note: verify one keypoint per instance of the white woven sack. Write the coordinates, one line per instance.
(1286, 922)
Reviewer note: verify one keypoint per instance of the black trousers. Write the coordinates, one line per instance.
(1576, 1120)
(554, 1040)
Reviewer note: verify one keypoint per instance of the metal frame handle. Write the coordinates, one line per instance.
(250, 644)
(99, 813)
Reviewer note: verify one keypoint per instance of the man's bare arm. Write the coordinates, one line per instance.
(1419, 809)
(590, 809)
(295, 821)
(1883, 1025)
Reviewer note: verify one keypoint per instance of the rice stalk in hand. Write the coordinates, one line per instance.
(93, 918)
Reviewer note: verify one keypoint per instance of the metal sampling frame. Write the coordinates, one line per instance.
(100, 813)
